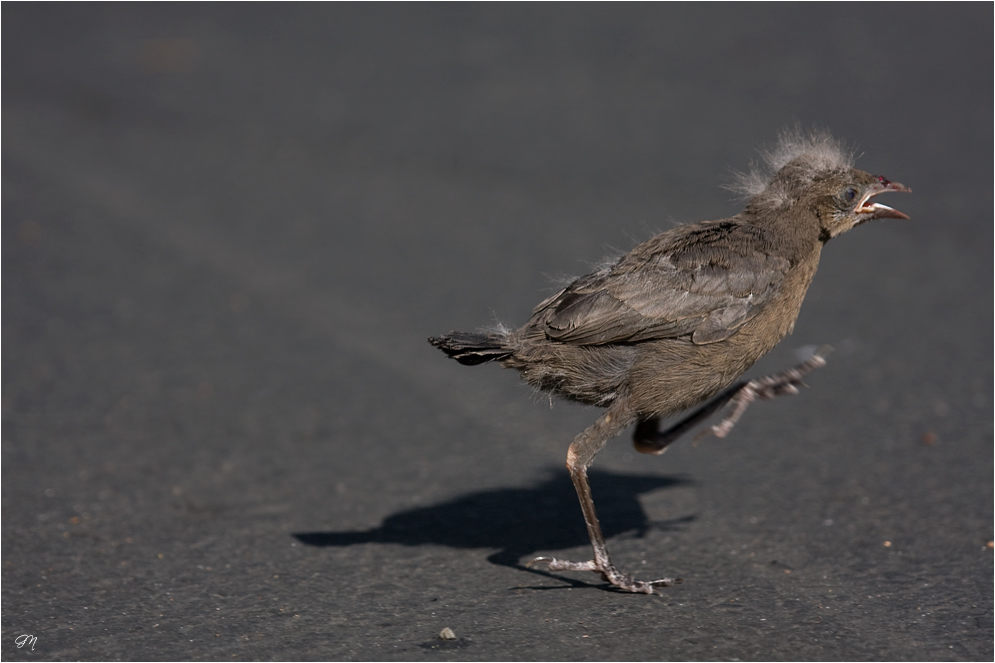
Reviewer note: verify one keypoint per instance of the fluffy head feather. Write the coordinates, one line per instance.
(813, 154)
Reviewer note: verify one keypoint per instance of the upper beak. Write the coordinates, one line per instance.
(877, 210)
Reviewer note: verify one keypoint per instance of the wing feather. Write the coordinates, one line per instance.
(703, 281)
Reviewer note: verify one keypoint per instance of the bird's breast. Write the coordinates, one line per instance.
(672, 375)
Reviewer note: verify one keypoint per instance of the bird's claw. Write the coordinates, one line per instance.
(765, 388)
(608, 571)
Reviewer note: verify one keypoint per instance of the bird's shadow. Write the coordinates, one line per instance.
(518, 522)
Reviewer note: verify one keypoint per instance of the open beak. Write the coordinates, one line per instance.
(877, 210)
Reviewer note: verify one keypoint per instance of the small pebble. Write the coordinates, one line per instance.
(447, 634)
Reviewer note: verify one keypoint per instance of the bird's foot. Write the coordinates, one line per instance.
(608, 572)
(765, 388)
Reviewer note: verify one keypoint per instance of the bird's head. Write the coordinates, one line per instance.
(813, 175)
(843, 198)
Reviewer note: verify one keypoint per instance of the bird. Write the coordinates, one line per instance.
(675, 323)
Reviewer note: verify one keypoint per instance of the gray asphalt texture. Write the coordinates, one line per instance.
(228, 231)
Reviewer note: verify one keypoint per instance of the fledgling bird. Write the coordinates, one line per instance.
(677, 321)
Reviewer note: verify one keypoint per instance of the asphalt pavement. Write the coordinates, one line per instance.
(229, 229)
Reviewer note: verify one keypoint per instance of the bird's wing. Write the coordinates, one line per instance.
(702, 281)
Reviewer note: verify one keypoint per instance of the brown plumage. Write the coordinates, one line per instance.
(680, 318)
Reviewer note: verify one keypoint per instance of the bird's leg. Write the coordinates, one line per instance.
(766, 388)
(579, 457)
(648, 439)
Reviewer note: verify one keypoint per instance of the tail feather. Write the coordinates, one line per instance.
(472, 348)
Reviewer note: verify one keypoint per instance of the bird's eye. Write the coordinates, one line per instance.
(850, 194)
